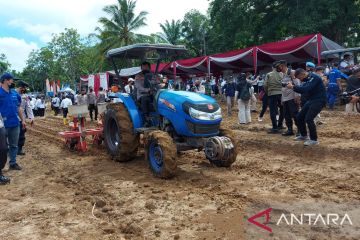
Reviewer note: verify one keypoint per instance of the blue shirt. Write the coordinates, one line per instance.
(313, 88)
(229, 89)
(9, 104)
(335, 74)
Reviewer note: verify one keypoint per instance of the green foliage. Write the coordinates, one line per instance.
(230, 24)
(118, 29)
(172, 32)
(65, 58)
(242, 23)
(195, 31)
(4, 64)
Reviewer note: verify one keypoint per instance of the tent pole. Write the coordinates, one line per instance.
(319, 42)
(208, 66)
(174, 70)
(254, 53)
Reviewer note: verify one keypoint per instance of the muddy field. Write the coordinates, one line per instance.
(66, 195)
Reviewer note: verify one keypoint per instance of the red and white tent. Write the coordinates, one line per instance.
(295, 50)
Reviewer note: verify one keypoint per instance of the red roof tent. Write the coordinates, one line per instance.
(297, 49)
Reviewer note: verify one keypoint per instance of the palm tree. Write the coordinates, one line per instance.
(172, 32)
(118, 29)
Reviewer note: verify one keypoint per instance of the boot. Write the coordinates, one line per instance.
(65, 121)
(20, 152)
(4, 180)
(289, 132)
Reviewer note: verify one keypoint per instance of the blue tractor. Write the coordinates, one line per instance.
(179, 120)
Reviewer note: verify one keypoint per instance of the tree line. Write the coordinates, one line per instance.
(228, 25)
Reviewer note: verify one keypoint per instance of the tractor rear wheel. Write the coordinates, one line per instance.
(120, 140)
(160, 152)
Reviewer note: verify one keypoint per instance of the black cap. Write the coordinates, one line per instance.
(319, 68)
(276, 64)
(22, 83)
(283, 62)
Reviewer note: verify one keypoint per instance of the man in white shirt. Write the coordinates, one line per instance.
(65, 103)
(345, 63)
(56, 104)
(130, 88)
(81, 99)
(25, 105)
(40, 105)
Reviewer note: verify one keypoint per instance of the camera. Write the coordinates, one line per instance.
(346, 97)
(284, 84)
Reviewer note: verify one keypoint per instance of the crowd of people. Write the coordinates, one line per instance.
(294, 96)
(16, 106)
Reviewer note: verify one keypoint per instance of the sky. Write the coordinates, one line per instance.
(26, 25)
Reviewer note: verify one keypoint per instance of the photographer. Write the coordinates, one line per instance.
(353, 83)
(315, 90)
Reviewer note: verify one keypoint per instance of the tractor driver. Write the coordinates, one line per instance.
(143, 88)
(144, 85)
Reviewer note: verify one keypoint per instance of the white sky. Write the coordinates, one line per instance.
(33, 21)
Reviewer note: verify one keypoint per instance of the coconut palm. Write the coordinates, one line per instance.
(172, 31)
(118, 28)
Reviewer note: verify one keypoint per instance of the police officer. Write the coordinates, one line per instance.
(11, 112)
(316, 100)
(25, 105)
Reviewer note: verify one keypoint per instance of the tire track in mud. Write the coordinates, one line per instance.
(89, 188)
(267, 167)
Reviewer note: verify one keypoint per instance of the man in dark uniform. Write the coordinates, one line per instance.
(25, 106)
(316, 100)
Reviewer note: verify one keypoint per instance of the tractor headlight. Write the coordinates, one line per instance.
(204, 115)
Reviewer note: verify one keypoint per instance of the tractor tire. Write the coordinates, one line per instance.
(230, 134)
(120, 141)
(160, 152)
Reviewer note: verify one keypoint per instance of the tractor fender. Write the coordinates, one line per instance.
(133, 110)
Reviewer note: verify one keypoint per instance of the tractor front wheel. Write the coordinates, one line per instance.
(160, 152)
(232, 158)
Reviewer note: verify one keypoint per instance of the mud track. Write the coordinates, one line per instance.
(65, 195)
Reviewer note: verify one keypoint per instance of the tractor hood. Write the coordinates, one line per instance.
(183, 96)
(191, 114)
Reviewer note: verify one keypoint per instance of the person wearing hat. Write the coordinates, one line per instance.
(25, 106)
(334, 85)
(310, 67)
(11, 112)
(130, 88)
(316, 93)
(272, 87)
